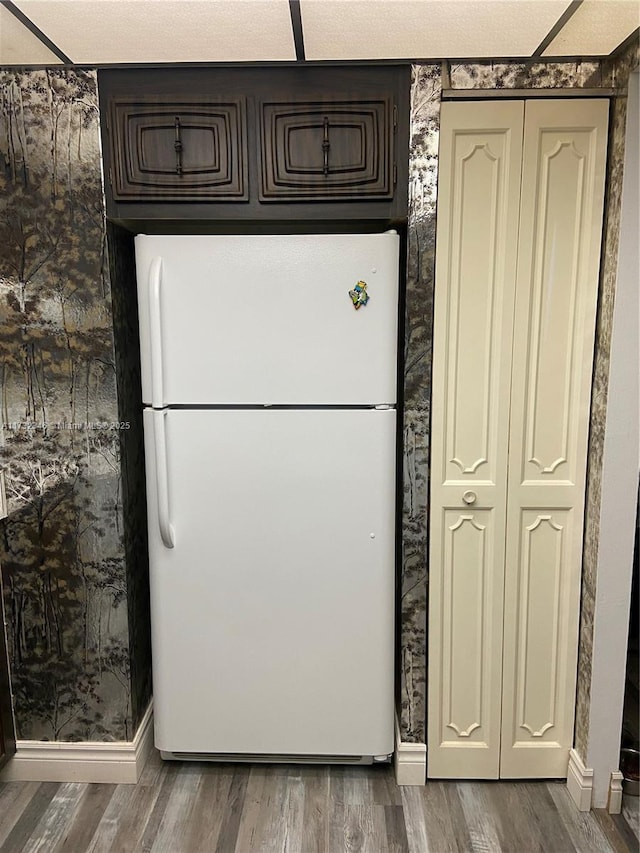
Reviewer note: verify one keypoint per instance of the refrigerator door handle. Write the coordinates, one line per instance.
(155, 333)
(162, 479)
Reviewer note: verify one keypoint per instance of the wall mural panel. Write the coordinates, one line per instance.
(423, 176)
(525, 75)
(125, 330)
(61, 548)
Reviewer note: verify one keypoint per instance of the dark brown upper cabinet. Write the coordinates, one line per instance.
(302, 147)
(178, 149)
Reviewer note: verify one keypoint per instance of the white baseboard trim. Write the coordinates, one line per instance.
(614, 806)
(55, 761)
(410, 761)
(579, 782)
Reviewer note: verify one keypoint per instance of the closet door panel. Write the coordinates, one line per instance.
(556, 291)
(480, 156)
(540, 644)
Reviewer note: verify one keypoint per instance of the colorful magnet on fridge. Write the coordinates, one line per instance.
(359, 295)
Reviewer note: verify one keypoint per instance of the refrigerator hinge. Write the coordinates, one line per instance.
(383, 408)
(395, 118)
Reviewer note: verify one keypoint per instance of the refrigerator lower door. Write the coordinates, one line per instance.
(273, 596)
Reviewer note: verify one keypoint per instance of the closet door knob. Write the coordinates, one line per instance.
(469, 497)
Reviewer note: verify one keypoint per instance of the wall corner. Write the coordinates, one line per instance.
(410, 761)
(579, 782)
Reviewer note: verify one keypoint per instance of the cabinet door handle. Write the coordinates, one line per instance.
(326, 145)
(469, 497)
(177, 145)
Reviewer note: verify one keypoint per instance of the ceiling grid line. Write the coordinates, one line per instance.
(624, 44)
(28, 23)
(296, 26)
(571, 9)
(597, 26)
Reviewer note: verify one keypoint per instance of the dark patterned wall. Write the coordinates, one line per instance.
(125, 330)
(62, 547)
(423, 173)
(525, 75)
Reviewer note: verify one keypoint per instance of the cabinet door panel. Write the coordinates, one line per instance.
(326, 150)
(556, 291)
(480, 156)
(179, 150)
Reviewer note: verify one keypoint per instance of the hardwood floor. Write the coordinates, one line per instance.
(209, 808)
(631, 813)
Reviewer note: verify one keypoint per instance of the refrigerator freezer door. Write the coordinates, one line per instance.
(272, 614)
(268, 319)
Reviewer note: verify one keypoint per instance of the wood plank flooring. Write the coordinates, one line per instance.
(224, 808)
(631, 813)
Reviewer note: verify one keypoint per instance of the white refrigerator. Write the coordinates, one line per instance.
(269, 385)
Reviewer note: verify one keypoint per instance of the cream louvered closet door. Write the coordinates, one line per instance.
(519, 221)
